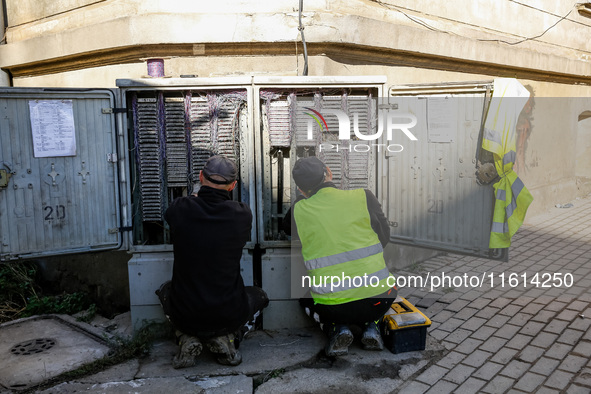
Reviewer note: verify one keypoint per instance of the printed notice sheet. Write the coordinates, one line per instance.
(441, 119)
(52, 124)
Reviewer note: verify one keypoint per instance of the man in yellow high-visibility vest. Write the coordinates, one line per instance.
(342, 233)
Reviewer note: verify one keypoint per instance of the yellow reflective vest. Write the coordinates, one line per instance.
(342, 253)
(511, 196)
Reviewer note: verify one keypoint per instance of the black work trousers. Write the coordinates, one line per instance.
(355, 312)
(257, 301)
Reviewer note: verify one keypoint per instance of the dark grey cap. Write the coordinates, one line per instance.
(220, 170)
(308, 173)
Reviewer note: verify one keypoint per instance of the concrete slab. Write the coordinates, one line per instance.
(39, 348)
(180, 385)
(360, 371)
(293, 361)
(261, 351)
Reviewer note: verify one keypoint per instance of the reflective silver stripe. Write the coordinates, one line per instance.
(500, 227)
(501, 194)
(516, 187)
(509, 157)
(510, 208)
(348, 285)
(492, 135)
(344, 257)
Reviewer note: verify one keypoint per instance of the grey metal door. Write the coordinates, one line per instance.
(430, 191)
(58, 167)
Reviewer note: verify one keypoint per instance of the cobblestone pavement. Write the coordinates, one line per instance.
(530, 335)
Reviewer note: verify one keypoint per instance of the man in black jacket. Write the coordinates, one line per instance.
(206, 298)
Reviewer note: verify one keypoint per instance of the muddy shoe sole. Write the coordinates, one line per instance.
(189, 349)
(372, 343)
(224, 346)
(339, 344)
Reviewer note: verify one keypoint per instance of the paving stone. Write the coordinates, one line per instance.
(459, 373)
(451, 359)
(532, 328)
(555, 306)
(483, 333)
(581, 324)
(458, 335)
(532, 308)
(473, 323)
(457, 305)
(510, 310)
(578, 305)
(497, 321)
(559, 380)
(507, 331)
(518, 341)
(468, 346)
(479, 303)
(573, 363)
(544, 339)
(544, 316)
(583, 348)
(471, 295)
(558, 351)
(435, 309)
(530, 382)
(477, 358)
(470, 386)
(416, 388)
(466, 313)
(515, 369)
(545, 366)
(522, 301)
(493, 344)
(584, 377)
(499, 384)
(530, 354)
(450, 325)
(570, 336)
(576, 389)
(443, 316)
(500, 302)
(504, 355)
(442, 387)
(427, 301)
(556, 326)
(488, 370)
(432, 374)
(438, 334)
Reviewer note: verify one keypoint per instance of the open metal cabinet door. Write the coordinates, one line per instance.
(430, 190)
(59, 190)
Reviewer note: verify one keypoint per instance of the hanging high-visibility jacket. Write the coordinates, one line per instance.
(342, 253)
(511, 196)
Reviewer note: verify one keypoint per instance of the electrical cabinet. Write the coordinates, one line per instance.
(143, 144)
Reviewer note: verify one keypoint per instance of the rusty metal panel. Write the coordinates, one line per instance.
(59, 204)
(429, 190)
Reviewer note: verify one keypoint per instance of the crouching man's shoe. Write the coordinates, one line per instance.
(339, 339)
(189, 348)
(371, 338)
(224, 347)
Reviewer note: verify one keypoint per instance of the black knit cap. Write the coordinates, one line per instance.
(220, 170)
(308, 173)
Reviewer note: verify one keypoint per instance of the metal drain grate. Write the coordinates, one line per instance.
(33, 346)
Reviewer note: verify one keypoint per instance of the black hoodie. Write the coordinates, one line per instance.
(208, 234)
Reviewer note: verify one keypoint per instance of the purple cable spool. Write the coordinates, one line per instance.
(155, 68)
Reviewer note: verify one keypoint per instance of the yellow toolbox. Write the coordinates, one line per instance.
(405, 327)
